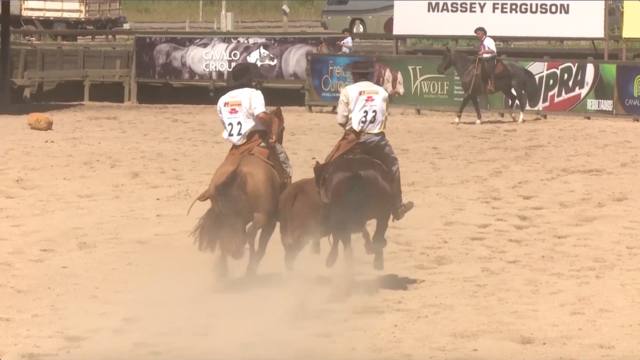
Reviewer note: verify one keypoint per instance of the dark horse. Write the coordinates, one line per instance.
(356, 188)
(303, 218)
(509, 79)
(246, 202)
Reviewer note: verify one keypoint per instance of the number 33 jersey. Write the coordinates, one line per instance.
(364, 104)
(237, 110)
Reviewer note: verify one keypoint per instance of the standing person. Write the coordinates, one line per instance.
(346, 43)
(246, 125)
(488, 54)
(362, 112)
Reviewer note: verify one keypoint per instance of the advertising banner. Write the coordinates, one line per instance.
(631, 19)
(329, 74)
(573, 86)
(414, 80)
(534, 18)
(190, 58)
(628, 86)
(409, 80)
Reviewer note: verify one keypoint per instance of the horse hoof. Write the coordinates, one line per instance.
(378, 262)
(478, 122)
(331, 260)
(368, 248)
(456, 121)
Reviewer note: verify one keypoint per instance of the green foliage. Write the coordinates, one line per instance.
(181, 10)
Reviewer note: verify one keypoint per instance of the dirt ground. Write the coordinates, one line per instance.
(525, 244)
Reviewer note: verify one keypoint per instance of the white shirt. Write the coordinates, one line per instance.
(347, 45)
(363, 107)
(237, 110)
(488, 44)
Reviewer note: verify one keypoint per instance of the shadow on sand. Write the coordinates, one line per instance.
(340, 286)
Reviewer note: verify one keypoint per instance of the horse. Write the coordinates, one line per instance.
(168, 58)
(510, 78)
(246, 202)
(390, 79)
(356, 188)
(303, 217)
(294, 61)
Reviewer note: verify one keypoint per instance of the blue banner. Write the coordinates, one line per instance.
(628, 86)
(329, 75)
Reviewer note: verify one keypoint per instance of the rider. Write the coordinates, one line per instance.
(247, 125)
(487, 54)
(362, 112)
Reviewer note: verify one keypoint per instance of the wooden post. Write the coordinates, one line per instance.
(285, 16)
(606, 29)
(133, 94)
(223, 16)
(5, 49)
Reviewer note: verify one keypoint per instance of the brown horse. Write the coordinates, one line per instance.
(246, 202)
(303, 217)
(356, 189)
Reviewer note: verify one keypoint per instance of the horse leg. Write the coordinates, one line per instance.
(222, 270)
(512, 101)
(379, 241)
(348, 251)
(464, 103)
(368, 245)
(476, 105)
(315, 245)
(259, 221)
(333, 253)
(522, 99)
(265, 236)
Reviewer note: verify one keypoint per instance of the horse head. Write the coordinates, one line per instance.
(446, 62)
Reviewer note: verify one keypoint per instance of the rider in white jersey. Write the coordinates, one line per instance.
(247, 125)
(488, 54)
(362, 112)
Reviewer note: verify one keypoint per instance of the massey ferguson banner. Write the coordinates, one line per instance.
(189, 58)
(534, 18)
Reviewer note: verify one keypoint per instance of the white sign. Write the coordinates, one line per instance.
(534, 18)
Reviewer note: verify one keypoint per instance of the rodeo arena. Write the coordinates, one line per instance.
(371, 180)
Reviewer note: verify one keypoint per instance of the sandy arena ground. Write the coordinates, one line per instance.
(525, 240)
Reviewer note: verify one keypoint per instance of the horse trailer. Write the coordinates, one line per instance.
(360, 16)
(67, 14)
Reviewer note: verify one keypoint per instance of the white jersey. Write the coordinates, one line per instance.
(363, 107)
(347, 45)
(488, 44)
(237, 110)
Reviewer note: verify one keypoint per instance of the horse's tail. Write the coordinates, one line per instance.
(531, 87)
(204, 233)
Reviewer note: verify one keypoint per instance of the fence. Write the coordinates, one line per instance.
(562, 85)
(414, 81)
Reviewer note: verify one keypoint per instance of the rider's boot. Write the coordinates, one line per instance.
(400, 208)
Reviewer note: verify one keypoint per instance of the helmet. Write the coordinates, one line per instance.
(244, 74)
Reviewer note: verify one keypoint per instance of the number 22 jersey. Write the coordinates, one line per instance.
(237, 110)
(363, 107)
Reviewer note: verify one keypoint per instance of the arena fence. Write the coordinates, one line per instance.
(582, 86)
(163, 59)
